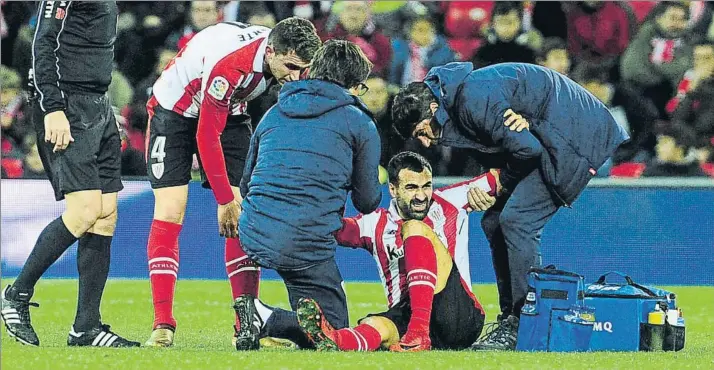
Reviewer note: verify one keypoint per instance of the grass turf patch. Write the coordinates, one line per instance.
(205, 317)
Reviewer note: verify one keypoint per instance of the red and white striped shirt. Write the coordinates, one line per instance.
(214, 75)
(380, 233)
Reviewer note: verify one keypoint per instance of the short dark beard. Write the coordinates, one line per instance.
(406, 212)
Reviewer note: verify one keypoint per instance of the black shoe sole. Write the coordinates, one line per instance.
(20, 340)
(246, 338)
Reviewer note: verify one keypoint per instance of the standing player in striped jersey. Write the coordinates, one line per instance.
(72, 57)
(420, 244)
(199, 105)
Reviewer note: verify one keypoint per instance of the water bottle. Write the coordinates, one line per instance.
(656, 320)
(529, 308)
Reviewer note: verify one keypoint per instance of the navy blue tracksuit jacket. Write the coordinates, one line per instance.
(571, 131)
(571, 135)
(316, 144)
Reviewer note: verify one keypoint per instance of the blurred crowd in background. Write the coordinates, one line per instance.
(650, 62)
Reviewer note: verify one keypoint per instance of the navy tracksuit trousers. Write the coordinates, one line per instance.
(513, 227)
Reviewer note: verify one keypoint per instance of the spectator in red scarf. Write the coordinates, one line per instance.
(422, 50)
(659, 55)
(352, 20)
(696, 107)
(701, 73)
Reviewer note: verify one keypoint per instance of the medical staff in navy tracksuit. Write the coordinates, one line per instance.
(570, 135)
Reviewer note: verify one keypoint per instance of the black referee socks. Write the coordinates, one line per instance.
(93, 256)
(52, 242)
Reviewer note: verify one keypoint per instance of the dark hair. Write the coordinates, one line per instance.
(295, 34)
(406, 160)
(550, 44)
(341, 62)
(589, 71)
(505, 7)
(411, 106)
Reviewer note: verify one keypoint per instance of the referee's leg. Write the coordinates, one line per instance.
(93, 260)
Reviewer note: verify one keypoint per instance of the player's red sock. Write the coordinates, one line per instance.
(420, 263)
(243, 273)
(163, 251)
(360, 338)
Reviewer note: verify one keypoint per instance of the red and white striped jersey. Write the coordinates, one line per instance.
(380, 233)
(213, 76)
(223, 62)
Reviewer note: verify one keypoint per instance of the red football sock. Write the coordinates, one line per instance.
(420, 262)
(163, 251)
(360, 338)
(243, 273)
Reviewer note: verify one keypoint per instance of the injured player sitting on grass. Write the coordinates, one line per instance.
(421, 246)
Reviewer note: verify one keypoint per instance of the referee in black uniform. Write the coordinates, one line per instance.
(72, 57)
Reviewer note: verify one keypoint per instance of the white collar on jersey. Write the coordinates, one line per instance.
(393, 213)
(260, 55)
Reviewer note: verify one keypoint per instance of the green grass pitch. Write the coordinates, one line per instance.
(203, 310)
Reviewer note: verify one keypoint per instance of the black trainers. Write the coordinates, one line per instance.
(15, 313)
(247, 333)
(99, 337)
(499, 336)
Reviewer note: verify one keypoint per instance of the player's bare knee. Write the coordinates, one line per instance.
(106, 224)
(386, 328)
(416, 227)
(170, 204)
(84, 208)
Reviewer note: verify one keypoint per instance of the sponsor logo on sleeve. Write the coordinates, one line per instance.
(218, 88)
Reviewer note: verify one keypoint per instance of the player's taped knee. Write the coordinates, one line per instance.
(416, 227)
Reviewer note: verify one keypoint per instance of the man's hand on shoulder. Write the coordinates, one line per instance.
(515, 121)
(479, 199)
(228, 215)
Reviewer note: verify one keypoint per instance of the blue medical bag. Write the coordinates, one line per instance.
(554, 317)
(622, 316)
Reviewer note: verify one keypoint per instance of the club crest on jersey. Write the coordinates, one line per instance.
(219, 88)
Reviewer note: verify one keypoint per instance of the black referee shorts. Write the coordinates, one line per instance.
(456, 323)
(93, 160)
(172, 144)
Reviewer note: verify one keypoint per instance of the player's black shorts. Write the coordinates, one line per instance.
(456, 323)
(172, 144)
(93, 160)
